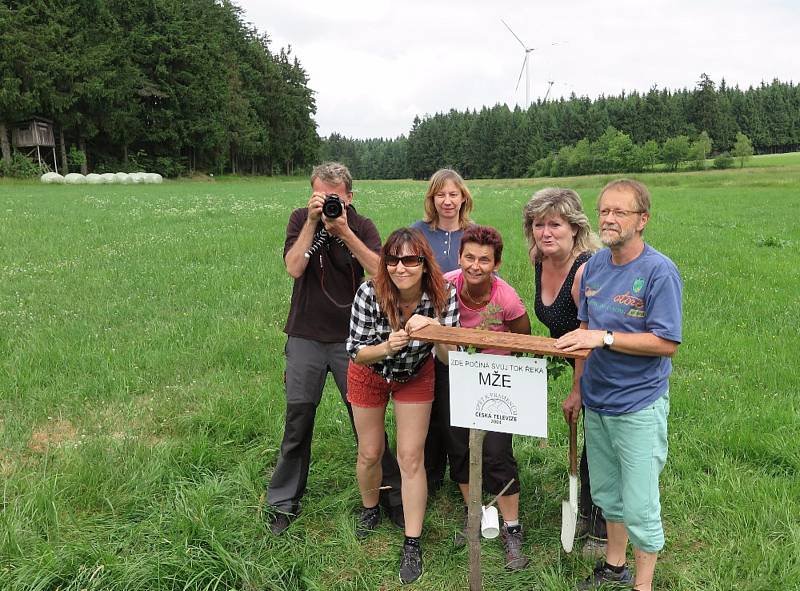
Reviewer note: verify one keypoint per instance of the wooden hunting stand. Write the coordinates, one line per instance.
(33, 135)
(498, 340)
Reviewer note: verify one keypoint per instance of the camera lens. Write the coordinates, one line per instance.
(332, 208)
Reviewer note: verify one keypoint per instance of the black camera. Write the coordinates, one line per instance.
(333, 206)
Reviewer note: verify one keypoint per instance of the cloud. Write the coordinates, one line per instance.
(375, 65)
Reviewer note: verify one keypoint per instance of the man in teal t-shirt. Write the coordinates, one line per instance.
(630, 313)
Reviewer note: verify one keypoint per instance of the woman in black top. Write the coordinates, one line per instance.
(560, 242)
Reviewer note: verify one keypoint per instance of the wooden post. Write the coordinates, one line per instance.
(499, 340)
(5, 145)
(63, 149)
(473, 532)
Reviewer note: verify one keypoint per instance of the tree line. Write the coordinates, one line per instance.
(168, 86)
(629, 132)
(615, 152)
(174, 86)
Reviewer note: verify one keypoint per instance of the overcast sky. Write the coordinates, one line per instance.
(376, 64)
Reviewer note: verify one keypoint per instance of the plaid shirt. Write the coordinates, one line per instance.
(370, 326)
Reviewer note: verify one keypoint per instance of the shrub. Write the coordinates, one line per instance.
(541, 167)
(76, 158)
(724, 160)
(20, 166)
(169, 167)
(163, 165)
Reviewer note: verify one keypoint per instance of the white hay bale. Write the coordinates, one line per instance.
(93, 179)
(122, 178)
(50, 178)
(153, 178)
(75, 178)
(108, 177)
(138, 177)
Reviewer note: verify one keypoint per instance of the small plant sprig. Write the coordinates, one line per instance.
(489, 317)
(556, 366)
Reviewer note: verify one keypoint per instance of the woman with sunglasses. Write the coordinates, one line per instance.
(407, 293)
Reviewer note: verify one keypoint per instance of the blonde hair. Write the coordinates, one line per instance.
(565, 203)
(438, 180)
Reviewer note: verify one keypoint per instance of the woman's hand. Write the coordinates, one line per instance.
(396, 341)
(418, 321)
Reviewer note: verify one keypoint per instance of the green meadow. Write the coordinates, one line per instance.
(141, 399)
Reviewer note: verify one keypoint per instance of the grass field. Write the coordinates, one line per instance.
(141, 399)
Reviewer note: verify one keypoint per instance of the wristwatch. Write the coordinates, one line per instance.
(608, 339)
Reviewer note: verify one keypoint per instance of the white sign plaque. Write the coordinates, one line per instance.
(498, 393)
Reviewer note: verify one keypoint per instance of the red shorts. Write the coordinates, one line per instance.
(368, 389)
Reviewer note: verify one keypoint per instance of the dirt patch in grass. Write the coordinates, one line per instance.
(55, 433)
(135, 419)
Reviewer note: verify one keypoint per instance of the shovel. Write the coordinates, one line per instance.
(569, 509)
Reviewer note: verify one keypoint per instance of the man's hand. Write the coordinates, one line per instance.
(581, 338)
(337, 226)
(315, 207)
(572, 406)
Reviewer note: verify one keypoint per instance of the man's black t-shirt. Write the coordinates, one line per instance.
(323, 295)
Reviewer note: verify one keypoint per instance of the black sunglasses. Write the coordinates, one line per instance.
(412, 260)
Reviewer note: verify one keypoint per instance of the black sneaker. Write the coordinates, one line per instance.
(410, 564)
(368, 520)
(279, 522)
(512, 542)
(605, 577)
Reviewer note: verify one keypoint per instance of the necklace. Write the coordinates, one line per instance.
(479, 302)
(407, 308)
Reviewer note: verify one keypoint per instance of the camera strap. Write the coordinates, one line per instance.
(323, 238)
(325, 291)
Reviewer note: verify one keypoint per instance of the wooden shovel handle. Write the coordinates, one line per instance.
(573, 447)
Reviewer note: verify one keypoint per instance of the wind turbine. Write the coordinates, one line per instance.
(528, 51)
(549, 88)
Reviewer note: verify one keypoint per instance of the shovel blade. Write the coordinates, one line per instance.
(569, 520)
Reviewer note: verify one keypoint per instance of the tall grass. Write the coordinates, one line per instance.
(141, 400)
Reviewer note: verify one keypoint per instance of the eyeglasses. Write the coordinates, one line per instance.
(620, 214)
(412, 260)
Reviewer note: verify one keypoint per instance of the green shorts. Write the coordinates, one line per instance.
(626, 454)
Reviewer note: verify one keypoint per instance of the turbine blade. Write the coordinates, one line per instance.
(544, 100)
(515, 35)
(521, 72)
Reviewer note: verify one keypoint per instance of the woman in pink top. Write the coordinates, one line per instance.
(486, 301)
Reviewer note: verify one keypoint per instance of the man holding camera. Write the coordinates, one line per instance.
(327, 249)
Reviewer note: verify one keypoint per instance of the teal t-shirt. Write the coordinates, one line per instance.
(643, 295)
